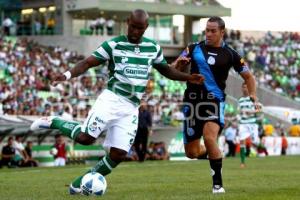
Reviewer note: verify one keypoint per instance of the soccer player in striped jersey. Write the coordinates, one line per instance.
(248, 126)
(130, 59)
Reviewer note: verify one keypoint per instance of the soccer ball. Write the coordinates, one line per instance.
(93, 183)
(53, 151)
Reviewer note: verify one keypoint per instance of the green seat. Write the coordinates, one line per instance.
(2, 74)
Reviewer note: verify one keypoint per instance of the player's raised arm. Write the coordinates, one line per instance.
(80, 68)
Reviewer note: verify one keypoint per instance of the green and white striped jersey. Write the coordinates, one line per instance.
(245, 104)
(129, 65)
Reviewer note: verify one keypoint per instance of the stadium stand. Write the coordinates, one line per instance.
(25, 88)
(275, 60)
(25, 91)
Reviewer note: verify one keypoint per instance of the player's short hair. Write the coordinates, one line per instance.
(219, 20)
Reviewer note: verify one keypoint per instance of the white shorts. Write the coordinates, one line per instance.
(247, 130)
(59, 161)
(116, 115)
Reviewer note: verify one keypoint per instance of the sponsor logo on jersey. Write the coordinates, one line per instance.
(213, 54)
(136, 72)
(93, 127)
(211, 60)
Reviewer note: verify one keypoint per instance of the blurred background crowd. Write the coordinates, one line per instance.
(25, 69)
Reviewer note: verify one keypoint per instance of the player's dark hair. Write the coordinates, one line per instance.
(219, 20)
(140, 13)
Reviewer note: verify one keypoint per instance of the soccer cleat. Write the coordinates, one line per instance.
(217, 189)
(73, 190)
(42, 123)
(242, 166)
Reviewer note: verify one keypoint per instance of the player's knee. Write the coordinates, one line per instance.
(117, 155)
(209, 139)
(85, 139)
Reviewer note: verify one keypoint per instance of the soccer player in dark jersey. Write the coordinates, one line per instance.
(204, 104)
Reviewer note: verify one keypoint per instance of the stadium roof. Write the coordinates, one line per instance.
(93, 7)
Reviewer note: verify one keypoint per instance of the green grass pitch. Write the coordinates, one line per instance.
(263, 178)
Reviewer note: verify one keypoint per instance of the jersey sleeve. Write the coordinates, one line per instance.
(160, 60)
(104, 52)
(239, 64)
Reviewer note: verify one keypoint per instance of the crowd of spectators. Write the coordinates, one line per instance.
(274, 59)
(25, 69)
(14, 154)
(25, 89)
(100, 24)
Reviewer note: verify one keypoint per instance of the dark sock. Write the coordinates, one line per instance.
(216, 171)
(243, 154)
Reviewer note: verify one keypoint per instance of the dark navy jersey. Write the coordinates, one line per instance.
(214, 64)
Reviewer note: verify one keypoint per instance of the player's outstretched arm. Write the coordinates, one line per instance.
(80, 68)
(173, 74)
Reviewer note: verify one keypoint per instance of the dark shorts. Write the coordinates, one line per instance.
(197, 114)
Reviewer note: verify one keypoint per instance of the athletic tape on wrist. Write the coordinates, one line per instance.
(68, 75)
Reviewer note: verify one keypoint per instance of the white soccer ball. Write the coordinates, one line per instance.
(93, 183)
(53, 151)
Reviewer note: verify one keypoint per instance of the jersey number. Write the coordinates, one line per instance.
(134, 119)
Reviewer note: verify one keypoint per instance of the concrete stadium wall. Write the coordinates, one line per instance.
(84, 45)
